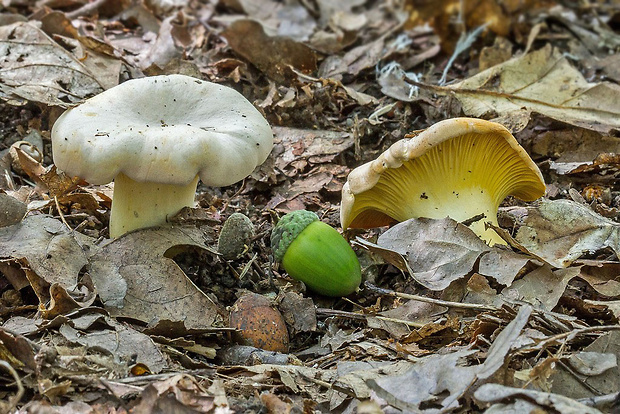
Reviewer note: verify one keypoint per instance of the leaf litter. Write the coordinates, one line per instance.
(140, 324)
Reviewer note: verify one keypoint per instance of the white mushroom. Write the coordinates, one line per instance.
(155, 137)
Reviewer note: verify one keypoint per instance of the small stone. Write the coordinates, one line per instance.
(235, 237)
(12, 211)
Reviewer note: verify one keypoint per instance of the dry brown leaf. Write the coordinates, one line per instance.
(440, 380)
(177, 394)
(528, 401)
(431, 376)
(602, 374)
(125, 344)
(543, 82)
(561, 231)
(602, 278)
(37, 69)
(275, 56)
(543, 287)
(135, 279)
(442, 251)
(54, 254)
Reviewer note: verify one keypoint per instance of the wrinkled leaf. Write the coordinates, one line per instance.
(37, 69)
(135, 280)
(436, 375)
(542, 287)
(595, 366)
(431, 377)
(523, 84)
(441, 251)
(54, 254)
(126, 345)
(177, 394)
(273, 55)
(561, 231)
(495, 393)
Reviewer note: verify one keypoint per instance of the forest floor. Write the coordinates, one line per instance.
(441, 323)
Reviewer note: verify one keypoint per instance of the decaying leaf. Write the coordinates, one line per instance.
(135, 279)
(534, 400)
(596, 367)
(544, 279)
(37, 69)
(525, 83)
(305, 145)
(441, 251)
(440, 380)
(126, 345)
(275, 56)
(562, 231)
(54, 253)
(179, 393)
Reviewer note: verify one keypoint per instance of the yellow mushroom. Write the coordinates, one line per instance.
(458, 168)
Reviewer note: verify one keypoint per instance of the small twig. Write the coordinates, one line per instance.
(62, 216)
(388, 292)
(86, 9)
(474, 219)
(340, 313)
(563, 335)
(600, 400)
(362, 317)
(394, 320)
(18, 382)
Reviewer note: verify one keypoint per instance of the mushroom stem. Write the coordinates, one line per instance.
(137, 205)
(462, 206)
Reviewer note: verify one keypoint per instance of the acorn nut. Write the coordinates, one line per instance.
(315, 253)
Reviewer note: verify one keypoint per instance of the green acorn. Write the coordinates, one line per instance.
(316, 254)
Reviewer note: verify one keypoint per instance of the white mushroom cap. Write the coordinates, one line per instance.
(155, 137)
(162, 129)
(457, 168)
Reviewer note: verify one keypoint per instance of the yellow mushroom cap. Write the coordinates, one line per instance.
(457, 168)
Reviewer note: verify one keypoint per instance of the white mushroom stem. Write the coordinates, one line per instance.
(137, 205)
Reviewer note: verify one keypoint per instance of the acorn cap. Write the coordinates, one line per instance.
(287, 230)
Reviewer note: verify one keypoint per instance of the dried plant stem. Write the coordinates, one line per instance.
(86, 10)
(361, 317)
(459, 305)
(18, 382)
(567, 335)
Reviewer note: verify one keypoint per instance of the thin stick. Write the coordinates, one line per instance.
(563, 335)
(18, 382)
(388, 292)
(361, 317)
(86, 10)
(62, 216)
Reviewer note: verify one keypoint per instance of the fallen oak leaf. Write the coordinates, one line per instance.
(439, 252)
(136, 279)
(276, 56)
(47, 247)
(436, 376)
(537, 400)
(561, 231)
